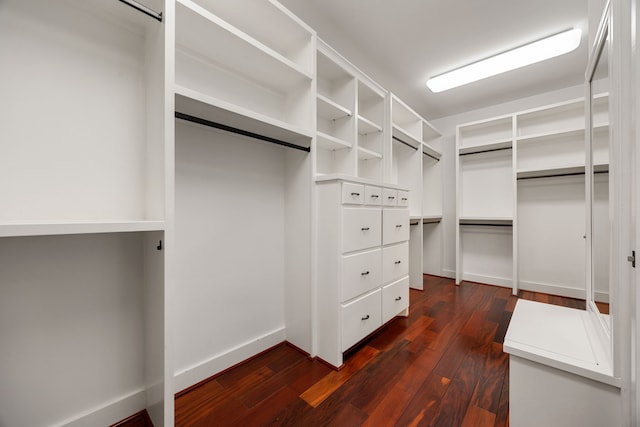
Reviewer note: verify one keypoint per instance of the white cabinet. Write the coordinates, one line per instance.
(362, 248)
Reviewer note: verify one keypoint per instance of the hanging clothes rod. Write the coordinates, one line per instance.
(405, 143)
(557, 175)
(433, 157)
(231, 129)
(486, 151)
(144, 9)
(484, 224)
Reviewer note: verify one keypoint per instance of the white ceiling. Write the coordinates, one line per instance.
(403, 42)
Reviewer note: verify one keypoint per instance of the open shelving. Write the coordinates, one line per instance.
(371, 129)
(230, 75)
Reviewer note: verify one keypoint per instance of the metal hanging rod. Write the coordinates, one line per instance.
(486, 151)
(405, 143)
(484, 224)
(144, 9)
(433, 157)
(231, 129)
(557, 175)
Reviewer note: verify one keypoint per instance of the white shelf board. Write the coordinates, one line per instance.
(329, 177)
(366, 126)
(486, 221)
(206, 107)
(497, 145)
(560, 337)
(544, 136)
(331, 110)
(366, 154)
(201, 33)
(329, 142)
(404, 136)
(429, 150)
(429, 132)
(49, 228)
(559, 171)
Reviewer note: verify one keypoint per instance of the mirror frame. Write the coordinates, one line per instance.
(601, 42)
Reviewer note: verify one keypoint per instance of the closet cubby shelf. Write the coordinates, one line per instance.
(467, 220)
(494, 146)
(560, 171)
(366, 154)
(404, 136)
(201, 34)
(366, 126)
(331, 110)
(329, 142)
(197, 104)
(431, 219)
(49, 228)
(430, 151)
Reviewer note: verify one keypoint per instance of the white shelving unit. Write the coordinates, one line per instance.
(226, 76)
(84, 212)
(371, 129)
(525, 172)
(414, 164)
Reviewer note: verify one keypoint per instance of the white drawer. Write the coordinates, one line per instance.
(390, 197)
(395, 262)
(372, 195)
(361, 228)
(361, 273)
(395, 226)
(352, 193)
(360, 318)
(395, 298)
(403, 198)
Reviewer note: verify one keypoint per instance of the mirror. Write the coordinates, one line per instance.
(597, 156)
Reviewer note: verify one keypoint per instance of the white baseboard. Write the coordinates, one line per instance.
(109, 413)
(602, 297)
(489, 280)
(563, 291)
(450, 274)
(187, 377)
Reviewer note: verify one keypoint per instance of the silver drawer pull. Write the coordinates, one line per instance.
(398, 262)
(365, 229)
(365, 273)
(366, 317)
(355, 194)
(399, 225)
(398, 299)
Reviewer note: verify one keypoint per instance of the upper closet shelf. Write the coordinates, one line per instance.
(365, 154)
(431, 219)
(196, 104)
(430, 151)
(201, 34)
(366, 126)
(560, 171)
(486, 221)
(331, 110)
(494, 146)
(404, 136)
(49, 228)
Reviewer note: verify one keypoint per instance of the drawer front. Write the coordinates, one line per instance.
(403, 198)
(395, 262)
(352, 193)
(362, 228)
(390, 197)
(395, 226)
(360, 318)
(395, 298)
(372, 195)
(361, 273)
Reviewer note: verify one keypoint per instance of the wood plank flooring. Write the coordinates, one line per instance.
(441, 366)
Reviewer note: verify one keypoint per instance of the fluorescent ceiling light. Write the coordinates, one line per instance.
(531, 53)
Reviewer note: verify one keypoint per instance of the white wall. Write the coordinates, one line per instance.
(230, 243)
(447, 126)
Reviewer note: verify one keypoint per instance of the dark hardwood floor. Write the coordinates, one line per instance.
(441, 366)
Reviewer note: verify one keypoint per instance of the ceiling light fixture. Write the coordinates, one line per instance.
(531, 53)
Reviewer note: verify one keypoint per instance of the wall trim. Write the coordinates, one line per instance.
(563, 291)
(109, 413)
(489, 280)
(199, 372)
